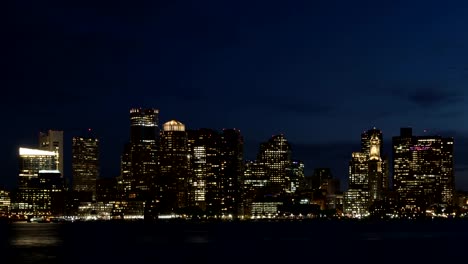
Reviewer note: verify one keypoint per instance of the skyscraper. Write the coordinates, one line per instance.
(275, 155)
(173, 180)
(39, 183)
(423, 170)
(85, 164)
(232, 167)
(368, 177)
(217, 169)
(139, 157)
(205, 160)
(375, 172)
(367, 137)
(356, 202)
(52, 140)
(297, 175)
(144, 126)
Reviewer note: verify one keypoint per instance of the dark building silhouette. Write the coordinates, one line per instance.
(106, 190)
(320, 177)
(139, 166)
(232, 166)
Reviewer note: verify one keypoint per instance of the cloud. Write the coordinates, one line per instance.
(428, 97)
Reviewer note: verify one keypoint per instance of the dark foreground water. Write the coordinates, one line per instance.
(241, 242)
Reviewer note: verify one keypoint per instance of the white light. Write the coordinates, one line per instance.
(35, 152)
(49, 171)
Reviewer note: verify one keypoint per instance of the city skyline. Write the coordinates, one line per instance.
(320, 72)
(386, 151)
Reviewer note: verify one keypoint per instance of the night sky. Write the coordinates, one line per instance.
(321, 72)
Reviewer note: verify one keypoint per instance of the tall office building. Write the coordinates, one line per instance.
(368, 175)
(217, 169)
(356, 202)
(232, 167)
(52, 140)
(31, 161)
(85, 164)
(144, 125)
(254, 184)
(375, 172)
(139, 158)
(174, 178)
(275, 155)
(205, 160)
(367, 137)
(422, 170)
(297, 175)
(39, 183)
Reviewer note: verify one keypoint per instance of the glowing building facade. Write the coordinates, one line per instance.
(422, 170)
(205, 165)
(275, 155)
(41, 186)
(5, 203)
(52, 140)
(297, 175)
(356, 200)
(85, 164)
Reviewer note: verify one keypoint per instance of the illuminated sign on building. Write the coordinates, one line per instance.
(419, 148)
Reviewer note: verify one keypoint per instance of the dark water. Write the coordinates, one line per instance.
(243, 242)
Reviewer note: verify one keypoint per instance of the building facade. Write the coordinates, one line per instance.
(173, 183)
(52, 140)
(139, 164)
(423, 170)
(85, 164)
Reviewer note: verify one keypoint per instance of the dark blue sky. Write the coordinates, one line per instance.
(320, 72)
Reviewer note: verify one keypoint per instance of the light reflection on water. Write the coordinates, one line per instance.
(161, 243)
(35, 235)
(34, 243)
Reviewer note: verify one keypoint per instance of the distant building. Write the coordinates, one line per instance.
(85, 164)
(232, 167)
(106, 190)
(255, 181)
(356, 198)
(368, 175)
(297, 175)
(275, 156)
(205, 162)
(52, 140)
(40, 184)
(423, 170)
(139, 165)
(5, 203)
(320, 178)
(174, 178)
